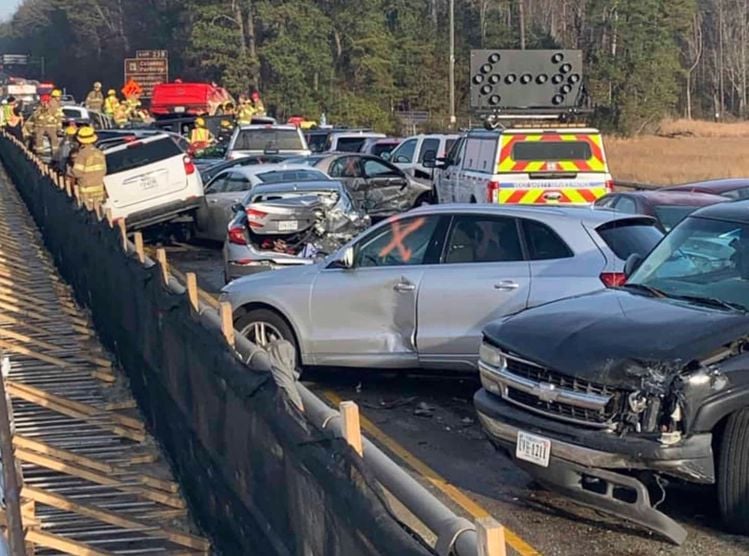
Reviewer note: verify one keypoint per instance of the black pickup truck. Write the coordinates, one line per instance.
(606, 397)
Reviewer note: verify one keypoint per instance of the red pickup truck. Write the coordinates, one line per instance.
(196, 99)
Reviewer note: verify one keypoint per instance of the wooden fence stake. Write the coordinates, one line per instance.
(227, 322)
(123, 233)
(351, 427)
(139, 247)
(161, 257)
(191, 282)
(110, 219)
(491, 537)
(99, 211)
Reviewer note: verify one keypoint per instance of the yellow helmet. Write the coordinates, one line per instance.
(57, 93)
(200, 122)
(71, 130)
(87, 135)
(111, 92)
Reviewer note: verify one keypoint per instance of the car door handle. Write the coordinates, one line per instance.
(403, 287)
(506, 286)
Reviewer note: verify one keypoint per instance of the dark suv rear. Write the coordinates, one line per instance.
(603, 395)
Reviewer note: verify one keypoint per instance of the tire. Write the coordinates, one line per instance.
(272, 320)
(733, 473)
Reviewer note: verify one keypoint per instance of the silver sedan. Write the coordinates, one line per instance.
(416, 290)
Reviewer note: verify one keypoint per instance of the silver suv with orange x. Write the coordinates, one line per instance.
(416, 290)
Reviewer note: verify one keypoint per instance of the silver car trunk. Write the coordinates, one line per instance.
(284, 216)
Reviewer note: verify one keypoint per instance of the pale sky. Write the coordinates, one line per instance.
(7, 8)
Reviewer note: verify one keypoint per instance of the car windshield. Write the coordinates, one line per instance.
(269, 140)
(670, 215)
(701, 261)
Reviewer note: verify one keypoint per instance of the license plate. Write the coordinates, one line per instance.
(179, 109)
(148, 183)
(532, 448)
(288, 226)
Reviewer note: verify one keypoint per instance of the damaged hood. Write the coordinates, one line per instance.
(615, 337)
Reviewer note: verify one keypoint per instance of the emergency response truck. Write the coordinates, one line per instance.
(526, 164)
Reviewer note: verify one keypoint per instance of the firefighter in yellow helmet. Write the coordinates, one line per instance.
(95, 98)
(257, 104)
(46, 123)
(201, 136)
(89, 169)
(67, 147)
(55, 104)
(121, 114)
(245, 112)
(111, 103)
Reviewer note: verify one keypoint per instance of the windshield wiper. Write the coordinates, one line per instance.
(655, 292)
(712, 302)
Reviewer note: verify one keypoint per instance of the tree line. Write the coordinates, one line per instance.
(362, 61)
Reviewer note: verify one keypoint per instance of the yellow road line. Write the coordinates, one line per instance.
(451, 491)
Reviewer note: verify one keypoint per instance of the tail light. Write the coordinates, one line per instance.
(492, 192)
(609, 186)
(253, 216)
(613, 279)
(236, 235)
(189, 166)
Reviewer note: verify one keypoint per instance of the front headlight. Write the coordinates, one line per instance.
(491, 356)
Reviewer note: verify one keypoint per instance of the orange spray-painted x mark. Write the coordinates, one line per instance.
(399, 234)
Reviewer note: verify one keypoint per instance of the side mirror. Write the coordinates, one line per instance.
(237, 207)
(430, 159)
(346, 260)
(633, 263)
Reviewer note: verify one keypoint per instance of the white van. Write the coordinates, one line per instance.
(150, 180)
(534, 165)
(410, 155)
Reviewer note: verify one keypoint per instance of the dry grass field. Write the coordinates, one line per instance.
(681, 151)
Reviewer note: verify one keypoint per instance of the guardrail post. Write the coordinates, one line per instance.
(191, 282)
(123, 233)
(227, 322)
(161, 258)
(139, 250)
(351, 426)
(491, 537)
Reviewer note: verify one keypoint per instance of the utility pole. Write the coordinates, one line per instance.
(521, 21)
(452, 64)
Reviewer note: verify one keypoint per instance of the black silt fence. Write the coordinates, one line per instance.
(258, 477)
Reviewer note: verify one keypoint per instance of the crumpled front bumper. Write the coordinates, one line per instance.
(589, 465)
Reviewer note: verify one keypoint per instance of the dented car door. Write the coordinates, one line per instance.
(367, 313)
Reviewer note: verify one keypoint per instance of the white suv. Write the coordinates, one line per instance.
(150, 181)
(410, 155)
(250, 140)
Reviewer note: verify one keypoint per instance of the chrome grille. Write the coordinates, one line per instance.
(553, 394)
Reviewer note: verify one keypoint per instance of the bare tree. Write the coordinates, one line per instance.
(692, 53)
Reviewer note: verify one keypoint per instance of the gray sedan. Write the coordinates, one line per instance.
(378, 187)
(416, 290)
(232, 185)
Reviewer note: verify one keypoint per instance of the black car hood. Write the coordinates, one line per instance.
(615, 337)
